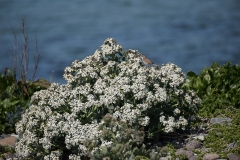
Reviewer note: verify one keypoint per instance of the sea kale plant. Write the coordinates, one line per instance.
(218, 86)
(111, 106)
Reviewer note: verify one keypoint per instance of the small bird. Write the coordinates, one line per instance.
(145, 60)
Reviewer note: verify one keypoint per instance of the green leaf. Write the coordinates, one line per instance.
(235, 86)
(6, 103)
(191, 74)
(9, 89)
(207, 78)
(14, 102)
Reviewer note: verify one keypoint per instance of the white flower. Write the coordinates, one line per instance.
(176, 111)
(145, 121)
(74, 157)
(107, 144)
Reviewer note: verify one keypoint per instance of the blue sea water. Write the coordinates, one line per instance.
(190, 34)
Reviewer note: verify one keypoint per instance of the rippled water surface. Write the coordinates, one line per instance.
(191, 34)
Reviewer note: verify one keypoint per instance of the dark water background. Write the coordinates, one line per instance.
(191, 34)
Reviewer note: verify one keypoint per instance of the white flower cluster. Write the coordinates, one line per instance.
(171, 123)
(109, 81)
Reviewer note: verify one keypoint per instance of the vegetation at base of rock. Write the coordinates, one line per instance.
(220, 136)
(6, 149)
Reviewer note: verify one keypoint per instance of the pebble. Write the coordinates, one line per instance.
(194, 144)
(232, 156)
(200, 137)
(9, 141)
(165, 158)
(232, 145)
(210, 156)
(220, 120)
(184, 152)
(195, 157)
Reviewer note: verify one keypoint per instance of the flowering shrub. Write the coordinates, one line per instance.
(111, 105)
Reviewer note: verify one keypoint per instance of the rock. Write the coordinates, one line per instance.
(195, 157)
(165, 158)
(184, 152)
(220, 121)
(14, 135)
(232, 145)
(177, 144)
(194, 144)
(4, 136)
(210, 156)
(200, 137)
(205, 149)
(9, 141)
(9, 155)
(232, 156)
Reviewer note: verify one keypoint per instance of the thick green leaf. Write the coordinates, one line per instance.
(218, 86)
(191, 74)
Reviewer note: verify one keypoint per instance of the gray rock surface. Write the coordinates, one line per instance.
(165, 158)
(193, 144)
(210, 156)
(221, 120)
(195, 157)
(188, 154)
(200, 137)
(232, 156)
(9, 141)
(232, 146)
